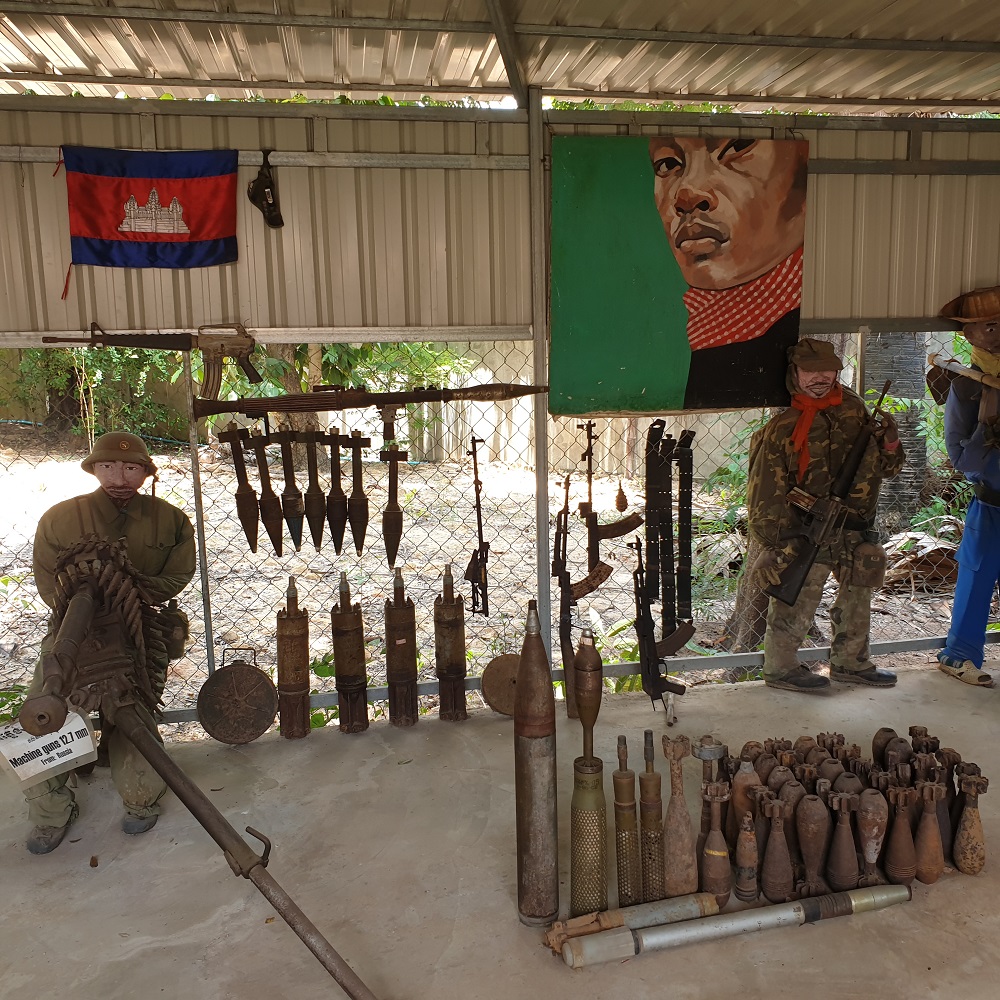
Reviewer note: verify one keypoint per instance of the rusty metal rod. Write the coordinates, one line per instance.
(242, 859)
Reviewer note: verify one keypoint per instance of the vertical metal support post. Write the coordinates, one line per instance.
(199, 515)
(540, 346)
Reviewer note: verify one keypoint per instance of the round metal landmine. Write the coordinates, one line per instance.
(499, 680)
(238, 703)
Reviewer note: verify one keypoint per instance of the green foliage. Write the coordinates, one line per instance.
(11, 700)
(729, 480)
(112, 387)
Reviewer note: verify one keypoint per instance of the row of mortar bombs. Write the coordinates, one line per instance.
(785, 831)
(349, 658)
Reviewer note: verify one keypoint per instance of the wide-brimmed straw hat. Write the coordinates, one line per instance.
(978, 306)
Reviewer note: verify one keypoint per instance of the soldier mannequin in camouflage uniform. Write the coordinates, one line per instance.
(160, 545)
(806, 446)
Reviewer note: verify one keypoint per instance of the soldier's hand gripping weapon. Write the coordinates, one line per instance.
(476, 572)
(821, 518)
(99, 659)
(651, 653)
(569, 594)
(596, 533)
(215, 347)
(247, 508)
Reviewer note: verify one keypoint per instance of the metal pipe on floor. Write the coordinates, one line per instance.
(239, 855)
(624, 942)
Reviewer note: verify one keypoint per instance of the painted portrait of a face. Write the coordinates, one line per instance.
(732, 209)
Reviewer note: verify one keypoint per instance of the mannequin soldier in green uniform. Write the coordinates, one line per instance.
(805, 446)
(160, 545)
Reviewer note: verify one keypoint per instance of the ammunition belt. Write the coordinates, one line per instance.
(986, 495)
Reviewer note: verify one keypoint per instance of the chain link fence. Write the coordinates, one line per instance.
(920, 517)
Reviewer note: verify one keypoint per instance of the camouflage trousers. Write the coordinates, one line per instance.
(850, 618)
(52, 803)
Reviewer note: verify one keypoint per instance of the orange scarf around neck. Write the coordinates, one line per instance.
(809, 407)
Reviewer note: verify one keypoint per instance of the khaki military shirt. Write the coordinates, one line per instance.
(159, 540)
(774, 464)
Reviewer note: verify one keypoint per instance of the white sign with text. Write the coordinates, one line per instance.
(34, 758)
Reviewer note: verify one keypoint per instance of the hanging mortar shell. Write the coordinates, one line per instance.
(651, 825)
(627, 853)
(350, 675)
(293, 507)
(535, 780)
(247, 508)
(293, 667)
(315, 499)
(624, 942)
(401, 654)
(357, 505)
(336, 499)
(392, 516)
(588, 810)
(663, 911)
(449, 650)
(270, 505)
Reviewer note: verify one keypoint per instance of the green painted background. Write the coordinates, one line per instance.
(618, 322)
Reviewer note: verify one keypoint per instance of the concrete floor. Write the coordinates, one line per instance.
(399, 845)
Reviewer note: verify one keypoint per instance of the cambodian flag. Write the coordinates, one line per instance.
(149, 209)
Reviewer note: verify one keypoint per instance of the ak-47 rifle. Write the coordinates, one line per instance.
(323, 399)
(596, 533)
(569, 593)
(822, 518)
(651, 653)
(476, 572)
(236, 344)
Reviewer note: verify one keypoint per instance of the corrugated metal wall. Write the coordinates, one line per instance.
(417, 246)
(360, 246)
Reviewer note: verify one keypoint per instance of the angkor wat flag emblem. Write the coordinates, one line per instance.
(150, 209)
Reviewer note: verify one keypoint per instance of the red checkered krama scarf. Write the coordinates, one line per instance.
(809, 407)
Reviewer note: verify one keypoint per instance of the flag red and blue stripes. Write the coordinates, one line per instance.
(131, 208)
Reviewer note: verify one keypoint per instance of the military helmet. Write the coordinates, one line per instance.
(814, 356)
(118, 446)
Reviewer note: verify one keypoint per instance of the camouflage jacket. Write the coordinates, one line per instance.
(159, 540)
(774, 468)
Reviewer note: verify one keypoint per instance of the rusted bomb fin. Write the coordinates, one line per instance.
(247, 508)
(315, 499)
(350, 677)
(293, 507)
(401, 655)
(270, 505)
(625, 942)
(336, 500)
(324, 399)
(357, 505)
(449, 650)
(392, 517)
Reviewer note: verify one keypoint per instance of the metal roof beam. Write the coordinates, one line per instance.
(37, 7)
(504, 32)
(759, 41)
(241, 17)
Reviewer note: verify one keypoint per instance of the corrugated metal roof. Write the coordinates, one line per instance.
(852, 55)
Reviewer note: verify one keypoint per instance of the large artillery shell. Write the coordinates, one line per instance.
(349, 662)
(449, 651)
(401, 655)
(293, 667)
(680, 860)
(535, 781)
(588, 838)
(627, 854)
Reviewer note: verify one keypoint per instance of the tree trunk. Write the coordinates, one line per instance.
(745, 627)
